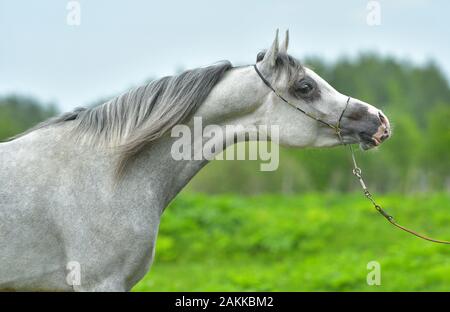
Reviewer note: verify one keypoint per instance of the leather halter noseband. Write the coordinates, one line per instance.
(356, 170)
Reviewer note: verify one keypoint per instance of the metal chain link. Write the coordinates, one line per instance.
(357, 172)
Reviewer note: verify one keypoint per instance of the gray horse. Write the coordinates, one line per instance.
(83, 193)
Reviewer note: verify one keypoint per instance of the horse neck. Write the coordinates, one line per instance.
(156, 169)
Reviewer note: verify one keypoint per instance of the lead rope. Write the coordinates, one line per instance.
(358, 174)
(356, 170)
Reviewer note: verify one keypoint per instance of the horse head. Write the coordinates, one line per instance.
(308, 110)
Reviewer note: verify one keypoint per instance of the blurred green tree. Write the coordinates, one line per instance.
(18, 113)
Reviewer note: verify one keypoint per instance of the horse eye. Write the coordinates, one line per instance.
(305, 87)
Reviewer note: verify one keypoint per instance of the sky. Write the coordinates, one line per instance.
(120, 44)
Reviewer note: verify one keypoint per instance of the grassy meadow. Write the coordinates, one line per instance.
(311, 242)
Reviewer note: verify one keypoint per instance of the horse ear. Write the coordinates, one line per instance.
(270, 56)
(284, 45)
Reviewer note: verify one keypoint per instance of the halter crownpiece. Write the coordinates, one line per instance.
(357, 172)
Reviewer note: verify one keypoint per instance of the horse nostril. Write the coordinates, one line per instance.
(385, 135)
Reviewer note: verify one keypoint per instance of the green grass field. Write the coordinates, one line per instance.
(310, 242)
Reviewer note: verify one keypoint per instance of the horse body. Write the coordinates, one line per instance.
(70, 208)
(61, 202)
(67, 212)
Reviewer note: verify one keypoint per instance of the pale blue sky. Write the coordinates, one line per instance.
(121, 43)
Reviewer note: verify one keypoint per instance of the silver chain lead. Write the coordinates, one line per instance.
(356, 170)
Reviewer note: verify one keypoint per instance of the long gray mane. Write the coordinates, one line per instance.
(134, 119)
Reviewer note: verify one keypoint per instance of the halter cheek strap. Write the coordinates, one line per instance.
(334, 127)
(356, 170)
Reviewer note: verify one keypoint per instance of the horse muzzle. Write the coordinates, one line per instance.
(365, 124)
(370, 139)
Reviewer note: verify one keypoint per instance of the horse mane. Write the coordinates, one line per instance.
(134, 119)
